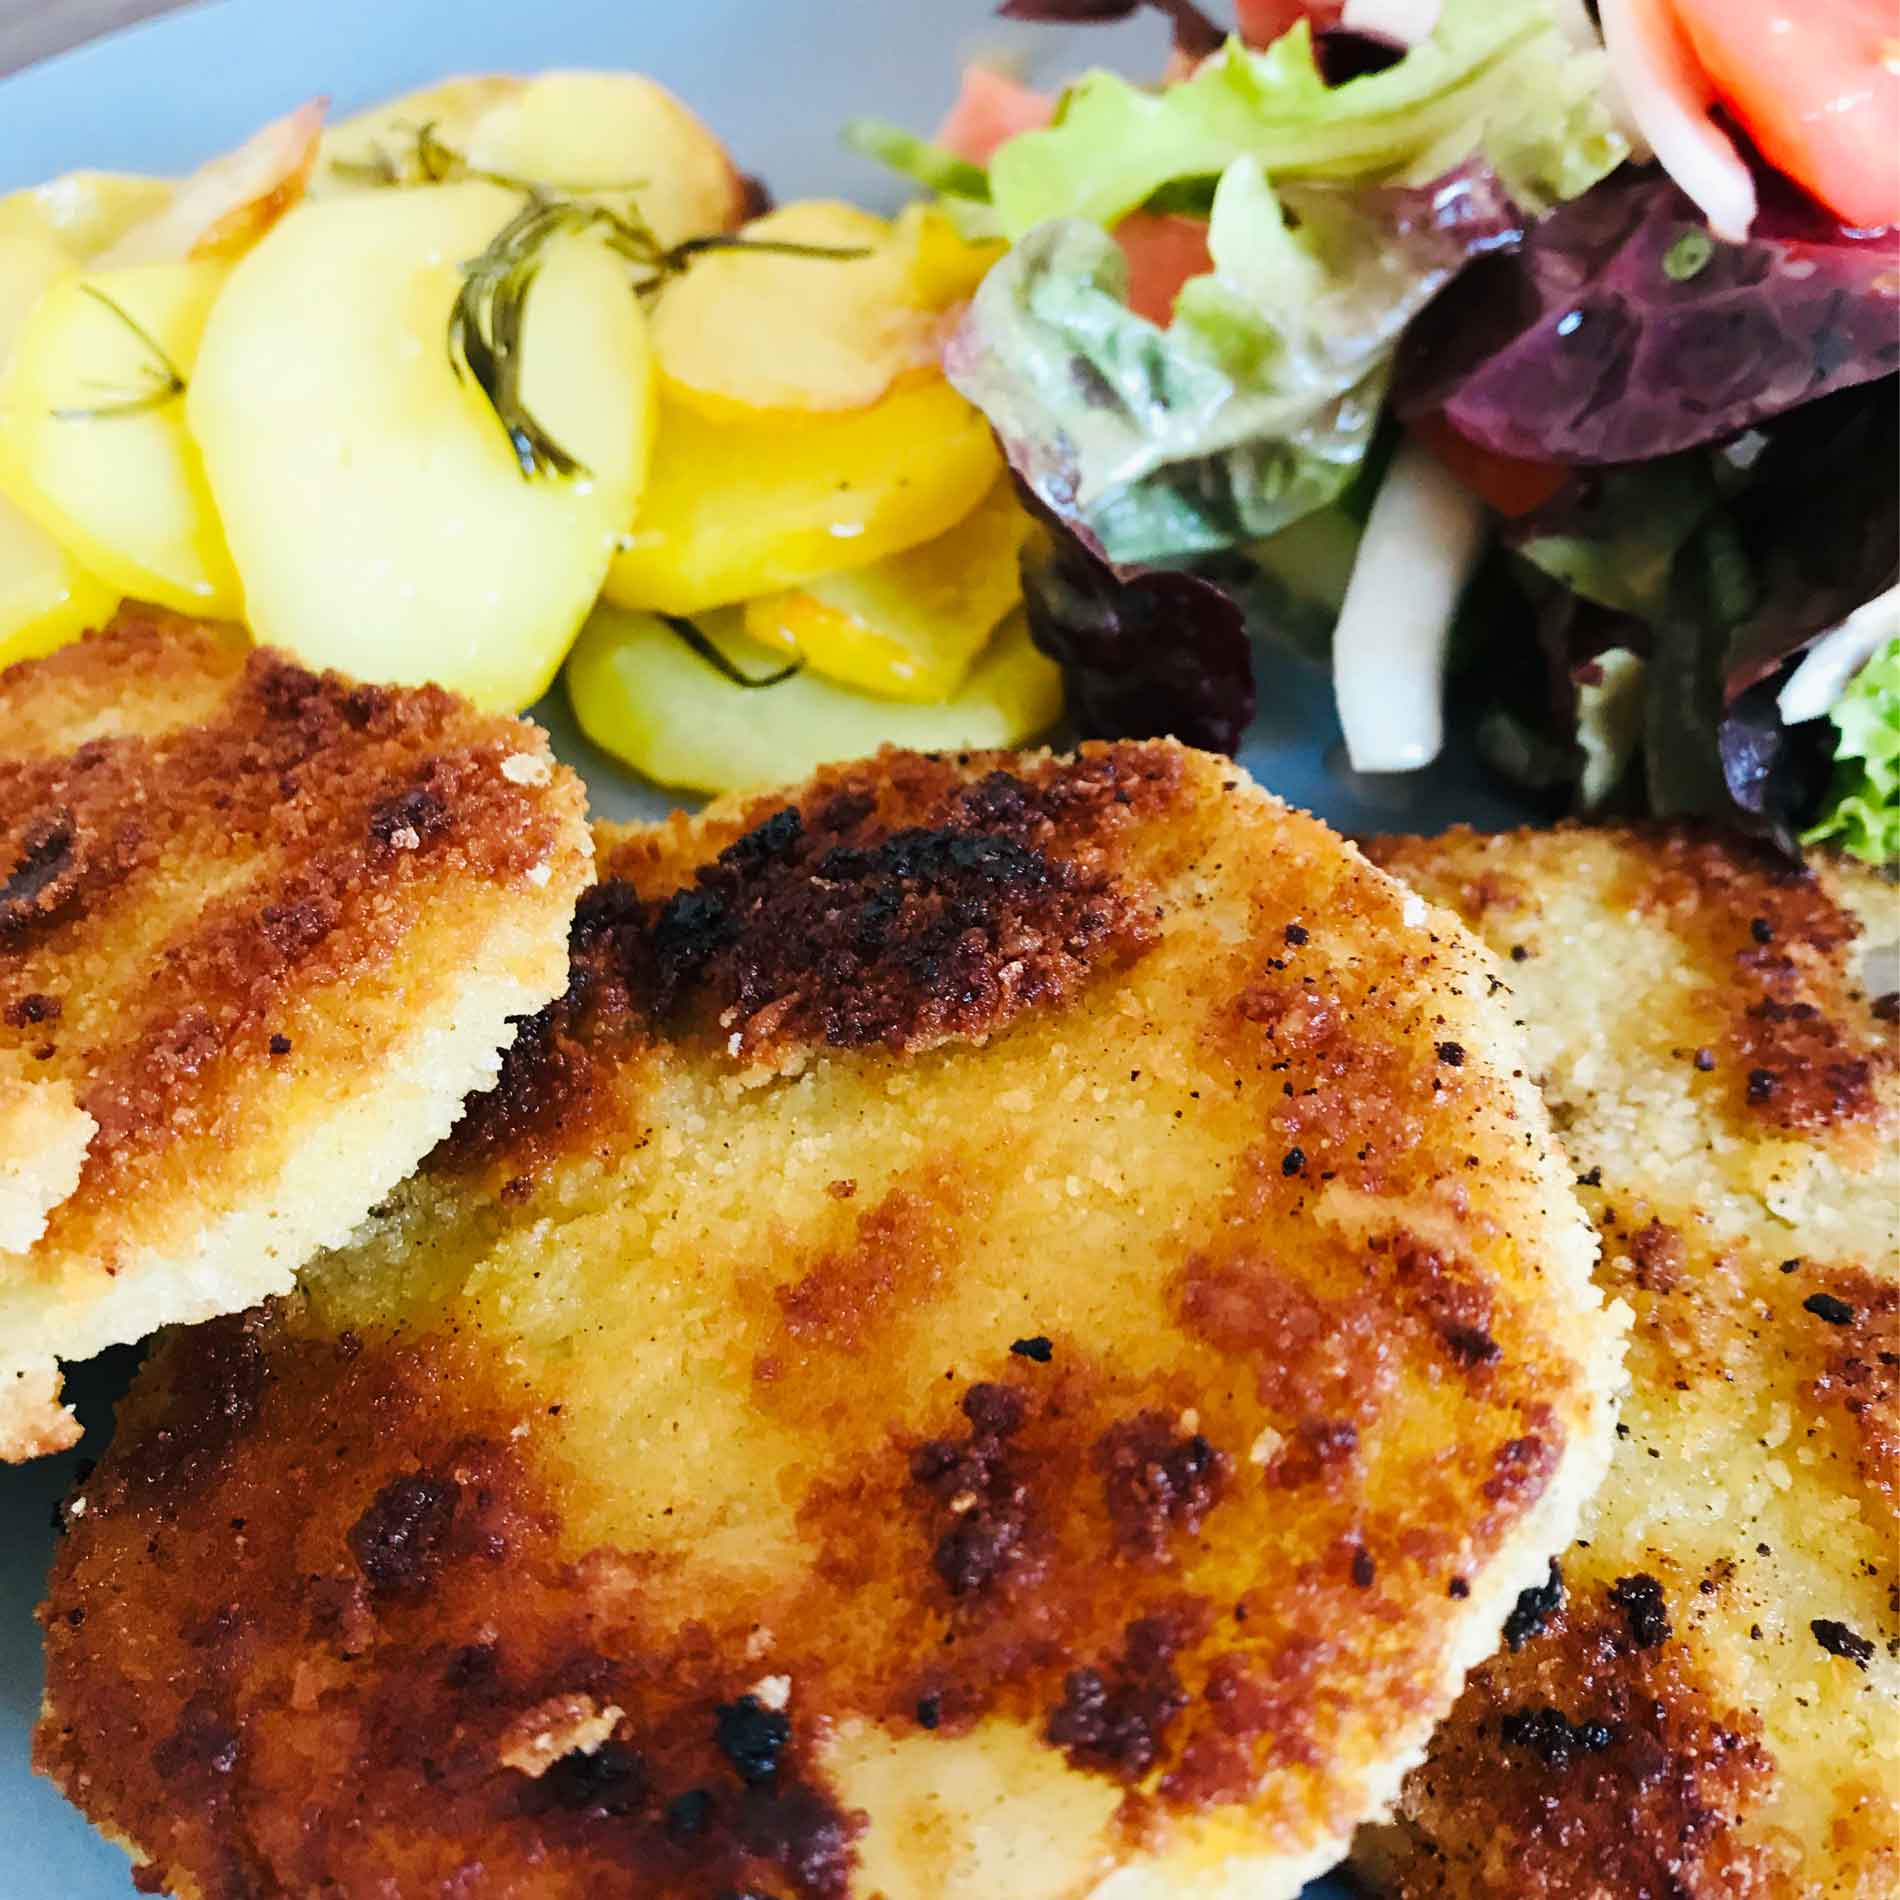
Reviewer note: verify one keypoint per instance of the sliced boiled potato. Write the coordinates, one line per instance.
(84, 211)
(746, 330)
(31, 260)
(378, 146)
(374, 504)
(601, 131)
(578, 132)
(738, 509)
(639, 690)
(93, 440)
(909, 627)
(46, 597)
(225, 206)
(942, 266)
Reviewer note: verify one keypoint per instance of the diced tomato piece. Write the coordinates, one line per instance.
(1163, 253)
(1506, 483)
(1817, 85)
(990, 110)
(1263, 21)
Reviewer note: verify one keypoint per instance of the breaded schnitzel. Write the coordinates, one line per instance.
(1705, 1698)
(260, 933)
(1014, 1334)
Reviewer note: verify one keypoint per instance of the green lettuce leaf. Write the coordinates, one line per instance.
(1497, 78)
(1862, 813)
(1255, 406)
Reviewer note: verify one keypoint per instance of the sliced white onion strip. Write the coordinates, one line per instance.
(1403, 22)
(1669, 96)
(1422, 540)
(1830, 664)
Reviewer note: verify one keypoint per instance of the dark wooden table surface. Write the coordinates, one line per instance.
(35, 29)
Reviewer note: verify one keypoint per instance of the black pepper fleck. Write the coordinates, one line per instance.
(1452, 1054)
(1838, 1640)
(1292, 1161)
(1826, 1306)
(1038, 1349)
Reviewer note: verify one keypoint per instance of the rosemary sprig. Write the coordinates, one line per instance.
(707, 651)
(167, 379)
(488, 320)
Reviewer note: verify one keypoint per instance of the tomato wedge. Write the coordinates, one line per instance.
(990, 110)
(1163, 252)
(1263, 21)
(1509, 484)
(1817, 85)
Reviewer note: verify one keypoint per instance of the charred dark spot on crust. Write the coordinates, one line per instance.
(1826, 1306)
(1318, 1453)
(1886, 1009)
(1452, 1054)
(44, 877)
(1644, 1607)
(202, 1752)
(398, 1541)
(1534, 1609)
(824, 929)
(1472, 1346)
(410, 819)
(1521, 1470)
(1116, 1720)
(32, 1008)
(1838, 1640)
(1156, 1480)
(608, 1780)
(976, 1485)
(751, 1737)
(1552, 1737)
(1658, 1251)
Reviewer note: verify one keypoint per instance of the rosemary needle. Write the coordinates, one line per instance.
(168, 381)
(707, 651)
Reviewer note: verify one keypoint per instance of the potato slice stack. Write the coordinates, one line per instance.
(495, 368)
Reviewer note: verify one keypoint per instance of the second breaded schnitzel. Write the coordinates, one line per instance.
(1704, 1698)
(260, 932)
(1014, 1334)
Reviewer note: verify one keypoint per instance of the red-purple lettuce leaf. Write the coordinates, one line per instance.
(1145, 652)
(1621, 330)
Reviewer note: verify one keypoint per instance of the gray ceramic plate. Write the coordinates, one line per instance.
(776, 78)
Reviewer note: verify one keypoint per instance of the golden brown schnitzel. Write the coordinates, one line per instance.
(1014, 1334)
(1704, 1698)
(260, 932)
